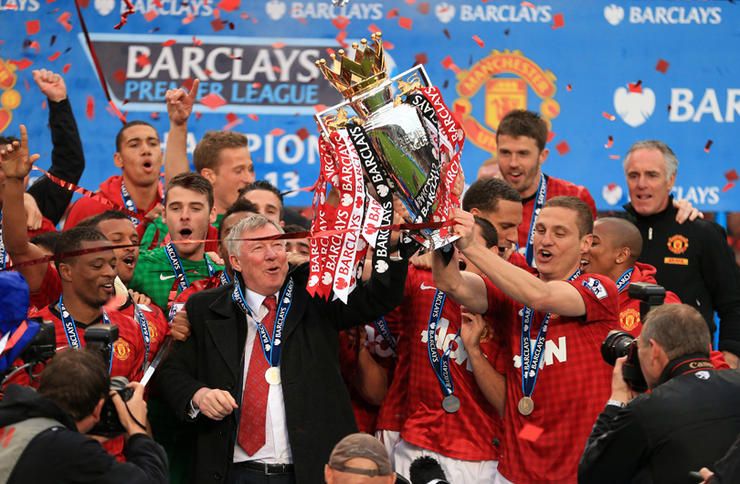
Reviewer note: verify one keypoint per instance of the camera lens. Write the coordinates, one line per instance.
(616, 345)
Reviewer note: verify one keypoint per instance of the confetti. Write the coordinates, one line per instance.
(90, 108)
(343, 35)
(22, 64)
(614, 157)
(278, 45)
(217, 25)
(608, 116)
(393, 13)
(253, 117)
(168, 43)
(277, 132)
(66, 68)
(727, 187)
(635, 87)
(189, 18)
(341, 22)
(405, 23)
(563, 148)
(373, 28)
(143, 60)
(527, 4)
(423, 8)
(479, 41)
(530, 432)
(33, 27)
(196, 41)
(558, 21)
(731, 175)
(661, 66)
(150, 15)
(569, 88)
(550, 136)
(302, 134)
(447, 63)
(420, 59)
(320, 107)
(213, 101)
(708, 146)
(229, 5)
(154, 115)
(447, 34)
(609, 142)
(54, 56)
(232, 121)
(63, 19)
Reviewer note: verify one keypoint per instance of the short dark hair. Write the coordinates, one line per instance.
(71, 240)
(520, 122)
(679, 329)
(75, 380)
(485, 193)
(488, 231)
(241, 205)
(210, 145)
(8, 140)
(130, 124)
(293, 229)
(95, 220)
(263, 185)
(584, 217)
(47, 240)
(193, 182)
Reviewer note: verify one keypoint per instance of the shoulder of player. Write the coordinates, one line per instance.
(597, 283)
(565, 188)
(152, 256)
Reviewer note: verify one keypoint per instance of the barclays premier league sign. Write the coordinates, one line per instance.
(603, 75)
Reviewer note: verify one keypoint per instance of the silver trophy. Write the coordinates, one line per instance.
(400, 125)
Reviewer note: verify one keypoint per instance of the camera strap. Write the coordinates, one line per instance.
(530, 356)
(271, 347)
(539, 202)
(440, 365)
(145, 335)
(624, 279)
(70, 330)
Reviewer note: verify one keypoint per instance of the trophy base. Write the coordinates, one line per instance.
(433, 239)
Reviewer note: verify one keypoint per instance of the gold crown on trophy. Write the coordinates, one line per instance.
(354, 76)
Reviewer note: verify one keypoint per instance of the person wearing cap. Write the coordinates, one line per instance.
(359, 458)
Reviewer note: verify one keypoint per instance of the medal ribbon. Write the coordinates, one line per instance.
(271, 347)
(539, 202)
(70, 329)
(180, 278)
(129, 204)
(382, 326)
(440, 365)
(624, 279)
(531, 359)
(224, 278)
(144, 327)
(3, 252)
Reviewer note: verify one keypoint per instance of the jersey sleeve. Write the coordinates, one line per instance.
(600, 297)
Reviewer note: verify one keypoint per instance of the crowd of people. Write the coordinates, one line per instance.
(487, 355)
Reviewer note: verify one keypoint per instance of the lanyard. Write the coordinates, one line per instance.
(224, 278)
(440, 365)
(70, 329)
(624, 279)
(3, 253)
(144, 327)
(181, 279)
(539, 202)
(382, 326)
(129, 204)
(271, 347)
(531, 358)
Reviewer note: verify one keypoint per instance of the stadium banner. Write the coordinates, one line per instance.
(603, 75)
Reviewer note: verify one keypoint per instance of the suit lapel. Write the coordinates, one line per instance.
(224, 332)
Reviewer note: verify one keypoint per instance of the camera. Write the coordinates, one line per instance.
(109, 424)
(43, 346)
(618, 344)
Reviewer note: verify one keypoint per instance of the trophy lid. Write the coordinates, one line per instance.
(354, 76)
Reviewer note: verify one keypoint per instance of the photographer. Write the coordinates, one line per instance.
(43, 437)
(688, 421)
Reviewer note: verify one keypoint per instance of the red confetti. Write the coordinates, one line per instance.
(608, 116)
(728, 187)
(320, 107)
(54, 56)
(405, 23)
(479, 41)
(229, 5)
(563, 148)
(609, 143)
(373, 28)
(708, 146)
(189, 18)
(732, 176)
(217, 25)
(66, 68)
(343, 35)
(661, 66)
(143, 60)
(253, 117)
(527, 4)
(550, 136)
(448, 63)
(340, 22)
(34, 45)
(232, 121)
(213, 101)
(614, 157)
(119, 76)
(302, 134)
(393, 13)
(635, 87)
(558, 21)
(90, 108)
(33, 27)
(154, 115)
(569, 88)
(150, 15)
(423, 8)
(278, 45)
(277, 132)
(63, 19)
(196, 41)
(421, 58)
(530, 432)
(22, 64)
(168, 43)
(43, 104)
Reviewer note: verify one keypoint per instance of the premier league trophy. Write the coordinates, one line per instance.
(397, 135)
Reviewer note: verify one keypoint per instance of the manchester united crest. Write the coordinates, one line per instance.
(153, 333)
(678, 244)
(121, 349)
(629, 319)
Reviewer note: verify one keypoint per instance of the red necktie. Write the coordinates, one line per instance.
(254, 399)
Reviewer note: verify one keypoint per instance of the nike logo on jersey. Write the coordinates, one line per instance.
(424, 287)
(162, 277)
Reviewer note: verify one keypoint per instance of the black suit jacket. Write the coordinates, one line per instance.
(317, 405)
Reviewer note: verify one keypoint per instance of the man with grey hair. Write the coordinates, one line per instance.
(688, 420)
(259, 375)
(692, 259)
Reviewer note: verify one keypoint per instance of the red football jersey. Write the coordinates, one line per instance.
(156, 322)
(629, 309)
(469, 433)
(572, 386)
(196, 286)
(555, 188)
(50, 290)
(392, 413)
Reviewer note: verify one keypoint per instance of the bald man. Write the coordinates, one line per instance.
(616, 246)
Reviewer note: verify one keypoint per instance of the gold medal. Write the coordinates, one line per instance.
(525, 406)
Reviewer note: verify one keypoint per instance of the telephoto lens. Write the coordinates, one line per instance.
(618, 344)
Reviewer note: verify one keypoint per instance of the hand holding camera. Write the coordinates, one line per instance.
(132, 412)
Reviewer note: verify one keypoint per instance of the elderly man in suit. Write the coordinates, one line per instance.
(259, 375)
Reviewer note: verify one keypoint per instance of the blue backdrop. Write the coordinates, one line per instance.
(598, 71)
